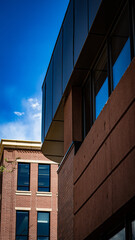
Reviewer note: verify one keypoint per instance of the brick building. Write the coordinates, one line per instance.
(28, 196)
(88, 120)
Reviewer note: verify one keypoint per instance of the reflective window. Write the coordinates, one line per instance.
(93, 8)
(57, 74)
(119, 236)
(48, 98)
(43, 226)
(44, 178)
(81, 26)
(86, 108)
(23, 176)
(133, 230)
(100, 83)
(120, 48)
(22, 225)
(68, 45)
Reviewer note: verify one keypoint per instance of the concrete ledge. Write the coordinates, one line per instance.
(23, 208)
(44, 209)
(44, 194)
(23, 193)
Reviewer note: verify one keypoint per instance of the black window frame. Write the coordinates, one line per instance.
(22, 163)
(130, 5)
(47, 187)
(16, 224)
(49, 224)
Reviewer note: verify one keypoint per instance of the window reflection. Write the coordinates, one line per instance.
(133, 230)
(119, 236)
(22, 220)
(101, 83)
(44, 177)
(23, 176)
(43, 223)
(120, 47)
(86, 107)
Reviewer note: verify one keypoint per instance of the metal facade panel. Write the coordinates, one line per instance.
(57, 74)
(68, 46)
(81, 26)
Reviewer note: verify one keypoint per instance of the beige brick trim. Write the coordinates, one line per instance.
(23, 208)
(44, 209)
(23, 193)
(44, 194)
(37, 161)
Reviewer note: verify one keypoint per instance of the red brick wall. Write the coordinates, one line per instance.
(10, 200)
(65, 200)
(104, 166)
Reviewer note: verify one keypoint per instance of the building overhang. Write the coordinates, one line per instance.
(53, 144)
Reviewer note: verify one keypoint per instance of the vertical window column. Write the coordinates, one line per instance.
(120, 47)
(23, 182)
(22, 225)
(44, 178)
(100, 80)
(43, 226)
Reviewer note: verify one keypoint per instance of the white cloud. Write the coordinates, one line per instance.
(34, 103)
(19, 114)
(26, 128)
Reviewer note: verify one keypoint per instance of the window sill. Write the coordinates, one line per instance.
(23, 193)
(44, 194)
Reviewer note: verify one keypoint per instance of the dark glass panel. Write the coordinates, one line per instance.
(119, 236)
(81, 26)
(22, 224)
(43, 112)
(43, 177)
(21, 238)
(48, 98)
(43, 238)
(57, 74)
(43, 225)
(133, 230)
(101, 83)
(86, 107)
(93, 8)
(68, 45)
(120, 47)
(23, 176)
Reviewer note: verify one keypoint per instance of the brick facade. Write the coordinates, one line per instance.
(33, 201)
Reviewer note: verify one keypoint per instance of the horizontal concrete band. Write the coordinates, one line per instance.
(23, 208)
(44, 194)
(36, 161)
(44, 209)
(24, 193)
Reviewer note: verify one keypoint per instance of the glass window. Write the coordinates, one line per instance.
(22, 225)
(101, 83)
(86, 108)
(44, 178)
(23, 176)
(133, 230)
(119, 236)
(43, 226)
(120, 47)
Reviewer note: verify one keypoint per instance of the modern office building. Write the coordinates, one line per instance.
(28, 193)
(88, 120)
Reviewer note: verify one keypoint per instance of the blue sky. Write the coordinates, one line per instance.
(28, 32)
